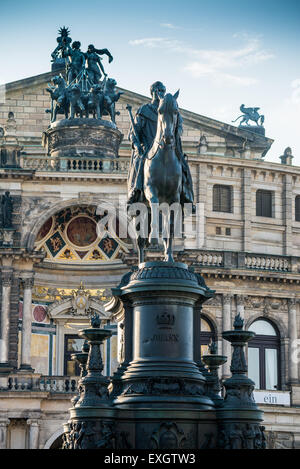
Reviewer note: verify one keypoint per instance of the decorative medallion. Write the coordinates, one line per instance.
(39, 313)
(81, 231)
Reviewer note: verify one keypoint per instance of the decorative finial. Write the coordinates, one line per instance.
(213, 348)
(238, 322)
(95, 321)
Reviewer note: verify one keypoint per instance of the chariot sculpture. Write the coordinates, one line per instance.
(83, 92)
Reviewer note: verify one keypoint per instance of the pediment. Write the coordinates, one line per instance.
(64, 310)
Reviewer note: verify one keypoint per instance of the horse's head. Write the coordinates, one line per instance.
(167, 117)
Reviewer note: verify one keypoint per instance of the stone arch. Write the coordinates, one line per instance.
(207, 316)
(55, 436)
(276, 322)
(282, 332)
(38, 222)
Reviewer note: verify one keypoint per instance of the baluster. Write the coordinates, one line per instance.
(67, 385)
(73, 385)
(42, 384)
(48, 387)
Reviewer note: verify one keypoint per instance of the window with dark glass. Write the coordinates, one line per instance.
(222, 198)
(73, 344)
(207, 335)
(264, 356)
(264, 203)
(297, 208)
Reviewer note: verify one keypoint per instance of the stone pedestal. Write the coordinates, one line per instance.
(258, 129)
(82, 137)
(163, 371)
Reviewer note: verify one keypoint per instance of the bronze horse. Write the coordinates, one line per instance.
(163, 174)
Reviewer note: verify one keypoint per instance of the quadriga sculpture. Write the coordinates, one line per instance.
(59, 98)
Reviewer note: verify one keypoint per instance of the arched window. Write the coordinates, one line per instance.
(297, 208)
(264, 355)
(264, 203)
(206, 335)
(222, 198)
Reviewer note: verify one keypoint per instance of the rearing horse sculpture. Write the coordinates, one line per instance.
(163, 172)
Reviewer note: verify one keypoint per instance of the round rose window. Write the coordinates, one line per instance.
(82, 231)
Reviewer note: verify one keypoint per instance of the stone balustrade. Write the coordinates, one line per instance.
(211, 259)
(241, 260)
(267, 262)
(36, 383)
(76, 164)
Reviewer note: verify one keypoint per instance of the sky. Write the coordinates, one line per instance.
(220, 54)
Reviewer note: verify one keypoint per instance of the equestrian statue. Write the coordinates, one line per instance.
(159, 172)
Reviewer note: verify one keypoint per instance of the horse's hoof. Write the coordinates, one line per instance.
(169, 259)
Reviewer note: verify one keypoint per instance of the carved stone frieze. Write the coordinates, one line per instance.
(241, 436)
(82, 137)
(163, 386)
(168, 436)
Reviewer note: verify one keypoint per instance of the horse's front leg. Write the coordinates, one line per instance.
(141, 246)
(168, 239)
(154, 227)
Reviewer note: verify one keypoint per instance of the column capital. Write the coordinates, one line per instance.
(28, 282)
(292, 302)
(4, 422)
(33, 422)
(7, 277)
(240, 299)
(227, 297)
(27, 277)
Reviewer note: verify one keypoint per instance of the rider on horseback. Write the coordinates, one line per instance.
(145, 129)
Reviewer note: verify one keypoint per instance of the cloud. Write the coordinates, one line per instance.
(220, 65)
(159, 42)
(169, 26)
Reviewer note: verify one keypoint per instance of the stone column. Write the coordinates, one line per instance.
(3, 433)
(293, 342)
(5, 309)
(59, 352)
(33, 440)
(226, 326)
(26, 322)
